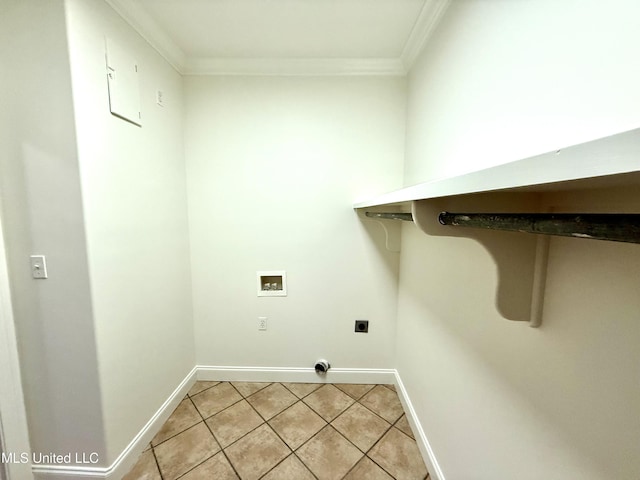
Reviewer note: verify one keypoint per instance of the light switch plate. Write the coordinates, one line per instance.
(38, 266)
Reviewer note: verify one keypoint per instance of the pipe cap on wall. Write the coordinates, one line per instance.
(322, 366)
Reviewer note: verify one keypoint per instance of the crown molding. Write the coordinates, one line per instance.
(429, 18)
(430, 15)
(148, 29)
(295, 66)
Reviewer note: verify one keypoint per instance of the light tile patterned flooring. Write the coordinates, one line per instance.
(284, 431)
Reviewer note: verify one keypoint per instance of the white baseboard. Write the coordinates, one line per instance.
(295, 375)
(127, 459)
(334, 375)
(129, 456)
(435, 472)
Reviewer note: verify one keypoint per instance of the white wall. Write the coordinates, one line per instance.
(498, 400)
(42, 214)
(507, 80)
(134, 196)
(273, 167)
(14, 434)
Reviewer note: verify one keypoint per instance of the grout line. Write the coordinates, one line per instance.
(181, 431)
(304, 464)
(198, 465)
(273, 468)
(279, 437)
(203, 461)
(354, 401)
(306, 395)
(294, 450)
(278, 413)
(356, 464)
(202, 391)
(264, 422)
(391, 425)
(381, 417)
(241, 437)
(309, 439)
(253, 393)
(157, 463)
(256, 410)
(339, 413)
(225, 408)
(327, 421)
(397, 428)
(373, 446)
(343, 413)
(350, 443)
(361, 396)
(217, 441)
(274, 430)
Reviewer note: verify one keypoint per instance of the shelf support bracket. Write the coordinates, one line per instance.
(521, 261)
(391, 230)
(539, 283)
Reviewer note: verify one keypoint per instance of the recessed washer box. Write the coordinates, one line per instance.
(272, 283)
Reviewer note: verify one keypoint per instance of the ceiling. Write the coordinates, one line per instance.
(319, 37)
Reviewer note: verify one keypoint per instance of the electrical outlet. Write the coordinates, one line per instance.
(362, 326)
(262, 323)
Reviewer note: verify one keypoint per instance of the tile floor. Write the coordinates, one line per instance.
(284, 431)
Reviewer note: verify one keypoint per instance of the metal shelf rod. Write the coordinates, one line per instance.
(616, 227)
(390, 216)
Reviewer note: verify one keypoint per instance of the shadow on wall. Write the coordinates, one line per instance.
(513, 253)
(385, 236)
(565, 374)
